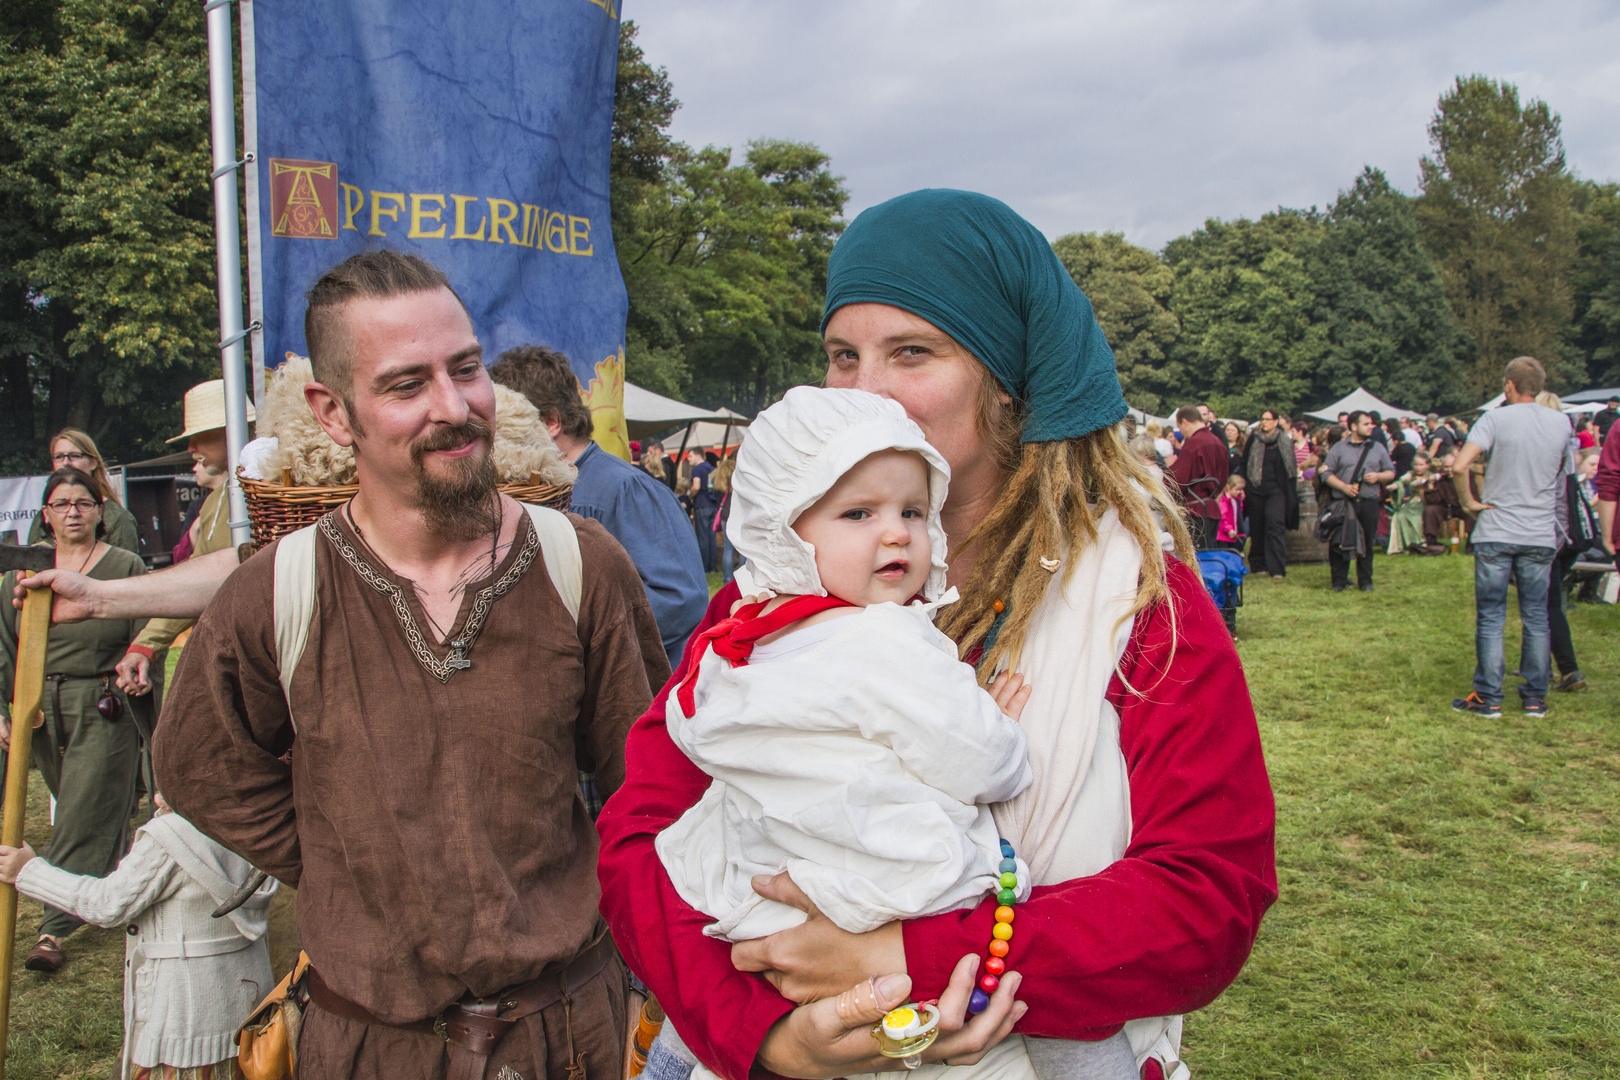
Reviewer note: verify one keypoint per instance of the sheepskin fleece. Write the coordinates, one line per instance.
(522, 446)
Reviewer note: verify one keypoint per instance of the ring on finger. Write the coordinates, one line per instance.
(849, 1005)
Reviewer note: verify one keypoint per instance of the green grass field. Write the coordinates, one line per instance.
(1450, 897)
(1450, 894)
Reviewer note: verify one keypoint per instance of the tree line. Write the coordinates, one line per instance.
(1421, 299)
(107, 309)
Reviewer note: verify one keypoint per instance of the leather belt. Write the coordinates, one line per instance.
(475, 1026)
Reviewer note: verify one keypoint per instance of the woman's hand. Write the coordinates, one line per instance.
(12, 860)
(833, 1036)
(816, 959)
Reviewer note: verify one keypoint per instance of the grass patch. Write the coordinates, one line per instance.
(69, 1025)
(1450, 899)
(1450, 895)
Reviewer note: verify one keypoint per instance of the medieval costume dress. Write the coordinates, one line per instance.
(89, 762)
(1149, 824)
(429, 814)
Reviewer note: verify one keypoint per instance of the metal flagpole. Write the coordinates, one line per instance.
(250, 146)
(228, 254)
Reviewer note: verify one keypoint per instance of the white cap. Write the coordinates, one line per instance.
(795, 451)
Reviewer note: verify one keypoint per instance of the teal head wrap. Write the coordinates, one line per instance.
(971, 266)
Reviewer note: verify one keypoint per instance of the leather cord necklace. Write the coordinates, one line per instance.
(457, 659)
(494, 539)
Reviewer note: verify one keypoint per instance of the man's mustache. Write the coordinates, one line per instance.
(451, 438)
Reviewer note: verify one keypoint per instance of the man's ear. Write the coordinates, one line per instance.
(549, 418)
(330, 412)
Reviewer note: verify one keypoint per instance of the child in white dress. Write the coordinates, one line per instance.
(189, 979)
(849, 745)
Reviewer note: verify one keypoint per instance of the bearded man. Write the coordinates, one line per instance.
(446, 697)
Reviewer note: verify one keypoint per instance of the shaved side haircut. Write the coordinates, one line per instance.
(1528, 376)
(374, 275)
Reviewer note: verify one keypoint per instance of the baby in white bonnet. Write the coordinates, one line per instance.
(848, 744)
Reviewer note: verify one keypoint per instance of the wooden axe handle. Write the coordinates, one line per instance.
(29, 687)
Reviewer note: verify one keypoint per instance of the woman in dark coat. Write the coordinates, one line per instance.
(1271, 470)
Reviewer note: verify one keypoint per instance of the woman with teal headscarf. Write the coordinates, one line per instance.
(1149, 826)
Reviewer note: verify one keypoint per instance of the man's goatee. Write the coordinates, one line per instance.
(458, 507)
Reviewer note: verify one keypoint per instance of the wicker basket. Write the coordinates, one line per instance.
(278, 509)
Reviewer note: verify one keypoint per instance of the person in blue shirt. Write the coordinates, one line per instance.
(705, 504)
(642, 514)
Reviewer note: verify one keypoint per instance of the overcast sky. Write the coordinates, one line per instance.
(1138, 116)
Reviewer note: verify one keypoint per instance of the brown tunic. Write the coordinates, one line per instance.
(434, 830)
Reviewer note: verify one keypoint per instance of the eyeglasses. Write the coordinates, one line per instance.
(63, 506)
(70, 455)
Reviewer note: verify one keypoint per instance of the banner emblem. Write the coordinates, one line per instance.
(303, 199)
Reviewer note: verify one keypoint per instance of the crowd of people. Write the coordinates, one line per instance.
(411, 711)
(701, 481)
(1424, 488)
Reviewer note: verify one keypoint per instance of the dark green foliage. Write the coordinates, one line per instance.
(1497, 212)
(1389, 327)
(1250, 335)
(1130, 289)
(1595, 328)
(107, 306)
(725, 263)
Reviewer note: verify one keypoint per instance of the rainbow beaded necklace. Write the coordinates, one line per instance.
(995, 965)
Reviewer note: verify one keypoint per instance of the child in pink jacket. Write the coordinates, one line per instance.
(1230, 530)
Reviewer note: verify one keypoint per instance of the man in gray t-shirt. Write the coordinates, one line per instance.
(1529, 458)
(1361, 483)
(1518, 533)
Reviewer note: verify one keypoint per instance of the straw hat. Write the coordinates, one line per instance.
(205, 409)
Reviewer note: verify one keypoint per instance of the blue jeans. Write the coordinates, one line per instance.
(703, 525)
(729, 561)
(1531, 569)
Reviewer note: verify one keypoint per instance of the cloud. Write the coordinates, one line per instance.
(1143, 117)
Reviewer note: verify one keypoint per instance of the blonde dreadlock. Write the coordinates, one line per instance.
(1049, 507)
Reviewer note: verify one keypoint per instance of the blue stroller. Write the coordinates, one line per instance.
(1223, 573)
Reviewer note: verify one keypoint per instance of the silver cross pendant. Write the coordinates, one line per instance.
(457, 660)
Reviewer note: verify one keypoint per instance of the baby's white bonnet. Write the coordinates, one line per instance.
(795, 451)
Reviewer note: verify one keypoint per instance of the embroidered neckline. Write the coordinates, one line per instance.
(456, 660)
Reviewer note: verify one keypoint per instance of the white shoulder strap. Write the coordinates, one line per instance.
(559, 546)
(295, 601)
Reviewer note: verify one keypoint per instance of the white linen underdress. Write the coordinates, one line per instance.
(860, 755)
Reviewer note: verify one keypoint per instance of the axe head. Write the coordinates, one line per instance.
(30, 560)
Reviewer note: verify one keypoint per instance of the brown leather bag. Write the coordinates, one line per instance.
(267, 1045)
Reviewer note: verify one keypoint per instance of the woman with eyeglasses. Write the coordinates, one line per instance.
(88, 749)
(73, 449)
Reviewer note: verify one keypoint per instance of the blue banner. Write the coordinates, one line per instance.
(475, 134)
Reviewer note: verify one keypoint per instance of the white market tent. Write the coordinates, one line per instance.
(708, 433)
(647, 413)
(1363, 400)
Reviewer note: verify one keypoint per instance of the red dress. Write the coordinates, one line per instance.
(1162, 931)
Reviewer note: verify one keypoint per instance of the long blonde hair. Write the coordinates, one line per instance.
(86, 445)
(1049, 506)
